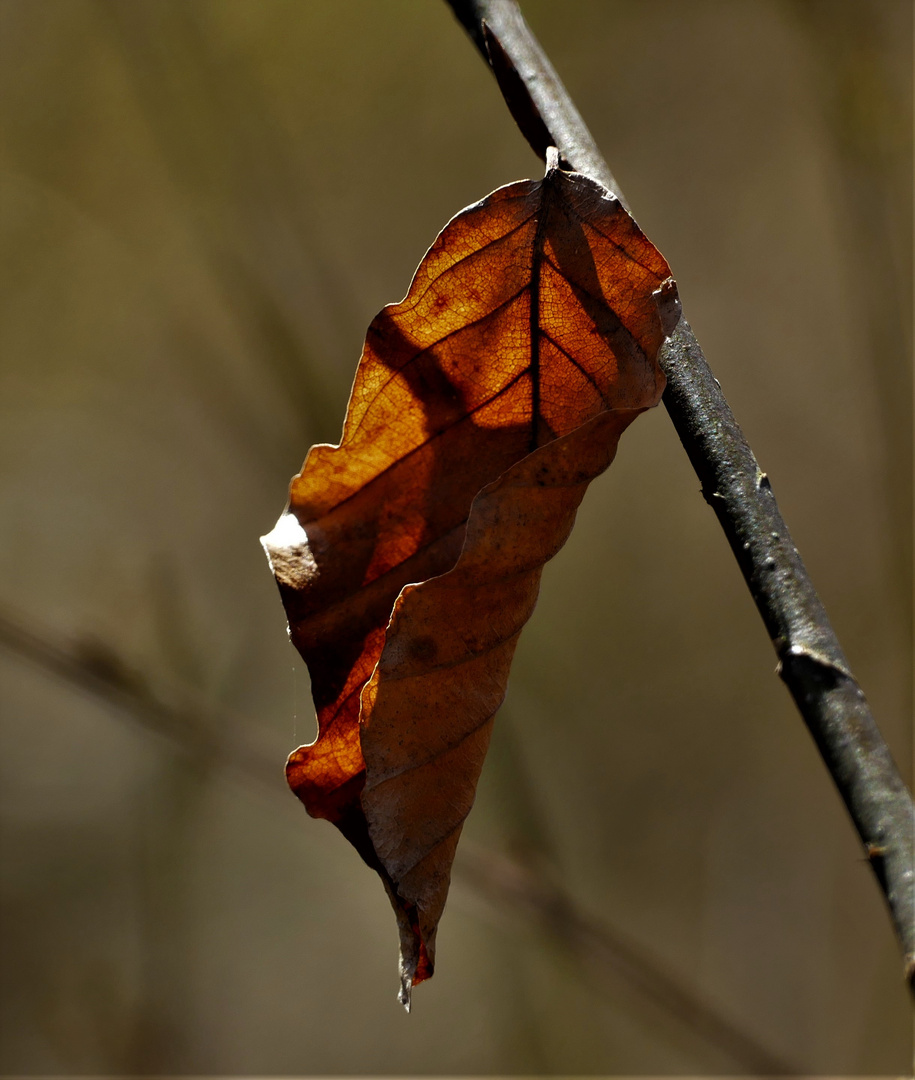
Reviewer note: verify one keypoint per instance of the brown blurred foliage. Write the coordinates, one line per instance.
(203, 204)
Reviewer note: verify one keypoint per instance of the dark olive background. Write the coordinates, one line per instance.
(204, 203)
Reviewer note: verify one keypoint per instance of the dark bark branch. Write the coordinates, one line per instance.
(193, 728)
(811, 661)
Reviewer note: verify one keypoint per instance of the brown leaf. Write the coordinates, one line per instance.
(409, 557)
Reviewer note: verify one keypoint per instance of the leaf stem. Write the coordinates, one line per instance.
(811, 662)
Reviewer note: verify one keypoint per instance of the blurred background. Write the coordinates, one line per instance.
(204, 202)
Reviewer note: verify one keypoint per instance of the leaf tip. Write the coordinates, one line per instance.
(405, 994)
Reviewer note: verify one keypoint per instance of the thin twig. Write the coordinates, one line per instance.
(188, 722)
(811, 661)
(604, 950)
(192, 727)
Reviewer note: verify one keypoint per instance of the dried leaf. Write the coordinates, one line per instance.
(409, 556)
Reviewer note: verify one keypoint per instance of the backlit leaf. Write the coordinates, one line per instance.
(409, 556)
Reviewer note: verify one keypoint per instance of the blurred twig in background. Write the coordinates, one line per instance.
(228, 742)
(98, 668)
(811, 661)
(605, 953)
